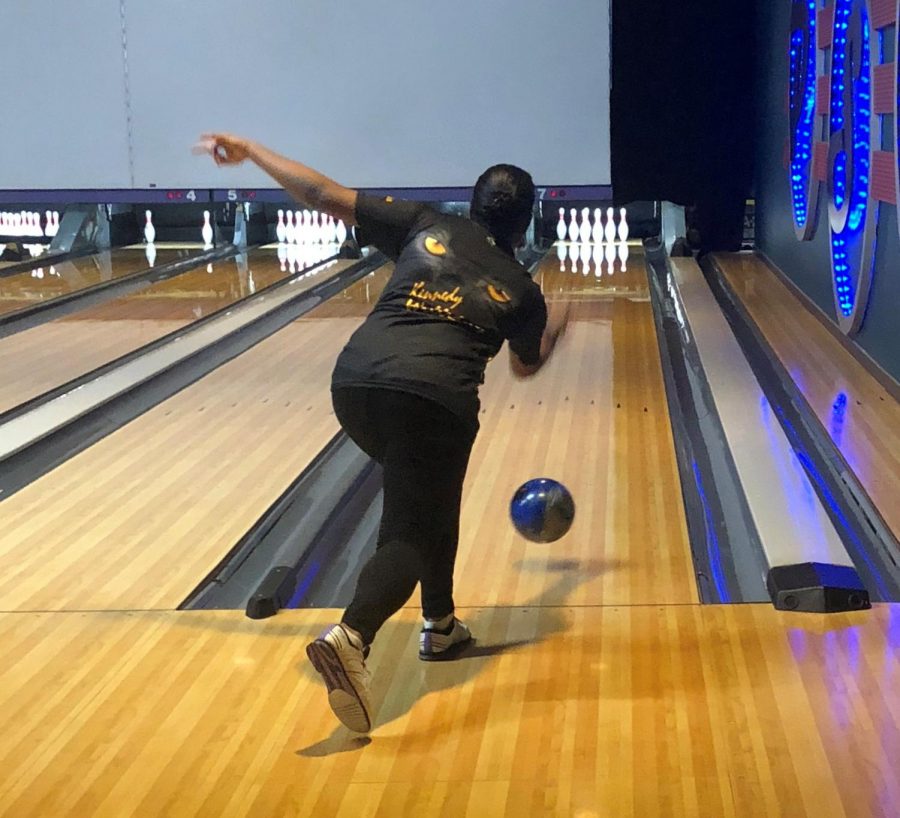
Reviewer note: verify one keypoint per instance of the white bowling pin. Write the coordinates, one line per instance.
(282, 256)
(304, 219)
(150, 252)
(301, 236)
(561, 225)
(280, 230)
(341, 231)
(289, 228)
(623, 225)
(609, 231)
(585, 230)
(597, 232)
(206, 231)
(149, 229)
(48, 230)
(573, 225)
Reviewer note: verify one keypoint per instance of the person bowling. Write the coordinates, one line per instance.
(405, 389)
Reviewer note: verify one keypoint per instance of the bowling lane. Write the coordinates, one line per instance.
(596, 419)
(43, 284)
(49, 355)
(140, 518)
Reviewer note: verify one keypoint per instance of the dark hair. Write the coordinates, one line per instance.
(502, 202)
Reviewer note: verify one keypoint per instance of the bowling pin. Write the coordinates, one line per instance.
(585, 231)
(282, 256)
(304, 223)
(206, 232)
(623, 225)
(280, 230)
(561, 226)
(623, 256)
(573, 225)
(561, 254)
(150, 252)
(289, 229)
(597, 232)
(149, 229)
(301, 234)
(341, 231)
(48, 230)
(610, 230)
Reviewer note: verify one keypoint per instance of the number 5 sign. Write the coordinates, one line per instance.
(841, 88)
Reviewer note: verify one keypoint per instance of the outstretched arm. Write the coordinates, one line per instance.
(307, 186)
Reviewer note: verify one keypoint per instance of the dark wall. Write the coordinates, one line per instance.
(808, 264)
(682, 108)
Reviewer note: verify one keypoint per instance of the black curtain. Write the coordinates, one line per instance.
(682, 108)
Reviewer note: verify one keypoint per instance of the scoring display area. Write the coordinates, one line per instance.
(842, 88)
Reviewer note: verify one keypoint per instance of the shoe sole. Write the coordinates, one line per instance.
(450, 653)
(342, 696)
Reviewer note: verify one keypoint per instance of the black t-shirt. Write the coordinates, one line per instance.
(453, 298)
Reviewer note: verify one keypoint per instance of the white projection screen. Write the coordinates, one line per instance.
(398, 93)
(63, 77)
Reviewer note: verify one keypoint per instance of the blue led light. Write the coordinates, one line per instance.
(840, 178)
(860, 139)
(802, 106)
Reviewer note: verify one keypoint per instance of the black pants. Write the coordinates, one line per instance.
(424, 450)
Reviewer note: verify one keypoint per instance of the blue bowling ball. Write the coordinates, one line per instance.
(542, 510)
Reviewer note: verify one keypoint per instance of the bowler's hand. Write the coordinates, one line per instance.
(225, 149)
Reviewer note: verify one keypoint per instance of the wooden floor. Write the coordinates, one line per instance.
(31, 362)
(680, 710)
(597, 687)
(141, 517)
(861, 417)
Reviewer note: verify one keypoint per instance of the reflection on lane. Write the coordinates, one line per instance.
(46, 283)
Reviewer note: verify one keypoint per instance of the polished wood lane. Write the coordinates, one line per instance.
(42, 358)
(859, 414)
(51, 281)
(140, 518)
(687, 710)
(595, 418)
